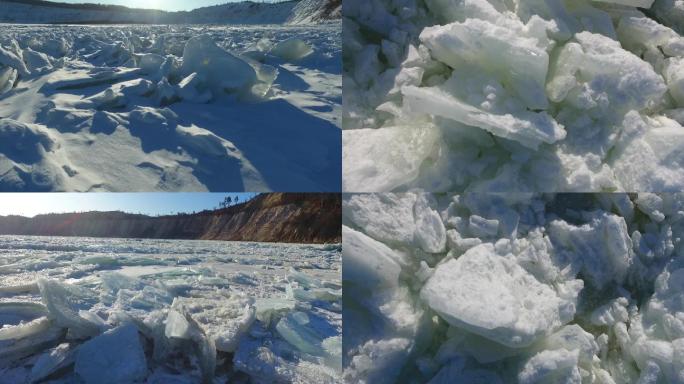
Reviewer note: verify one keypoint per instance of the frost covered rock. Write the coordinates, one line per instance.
(483, 293)
(222, 70)
(114, 357)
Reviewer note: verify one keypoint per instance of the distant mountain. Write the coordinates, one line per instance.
(247, 12)
(269, 217)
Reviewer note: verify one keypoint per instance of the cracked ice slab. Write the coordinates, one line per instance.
(519, 61)
(116, 356)
(530, 129)
(491, 295)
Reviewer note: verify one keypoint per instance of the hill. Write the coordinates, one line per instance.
(270, 217)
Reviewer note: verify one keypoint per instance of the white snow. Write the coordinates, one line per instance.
(261, 116)
(124, 310)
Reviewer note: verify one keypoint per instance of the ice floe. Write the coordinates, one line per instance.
(119, 310)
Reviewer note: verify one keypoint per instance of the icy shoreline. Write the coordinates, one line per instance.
(168, 311)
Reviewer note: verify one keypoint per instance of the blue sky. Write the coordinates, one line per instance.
(167, 5)
(31, 204)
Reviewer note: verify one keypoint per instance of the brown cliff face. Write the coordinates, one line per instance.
(272, 217)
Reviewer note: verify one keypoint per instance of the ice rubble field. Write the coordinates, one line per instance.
(514, 288)
(168, 108)
(85, 310)
(513, 95)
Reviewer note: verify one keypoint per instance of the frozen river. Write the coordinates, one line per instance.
(168, 311)
(169, 108)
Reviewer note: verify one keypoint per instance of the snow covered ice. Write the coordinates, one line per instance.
(513, 96)
(170, 108)
(168, 311)
(513, 288)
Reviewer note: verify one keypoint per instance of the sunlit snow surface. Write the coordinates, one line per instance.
(179, 311)
(145, 108)
(521, 95)
(513, 288)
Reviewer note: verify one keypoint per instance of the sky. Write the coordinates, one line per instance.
(31, 204)
(167, 5)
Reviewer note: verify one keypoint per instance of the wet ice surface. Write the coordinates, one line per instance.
(93, 108)
(513, 288)
(524, 95)
(168, 311)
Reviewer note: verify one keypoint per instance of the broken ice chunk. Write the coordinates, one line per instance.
(292, 49)
(114, 357)
(222, 70)
(530, 129)
(63, 301)
(108, 99)
(491, 295)
(8, 76)
(517, 60)
(557, 366)
(177, 326)
(367, 262)
(386, 158)
(656, 144)
(430, 232)
(386, 217)
(601, 248)
(674, 77)
(25, 329)
(268, 307)
(611, 312)
(298, 329)
(37, 62)
(595, 72)
(10, 59)
(480, 227)
(192, 88)
(51, 361)
(222, 321)
(150, 63)
(652, 205)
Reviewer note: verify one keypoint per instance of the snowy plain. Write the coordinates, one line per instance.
(87, 310)
(513, 288)
(170, 108)
(513, 95)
